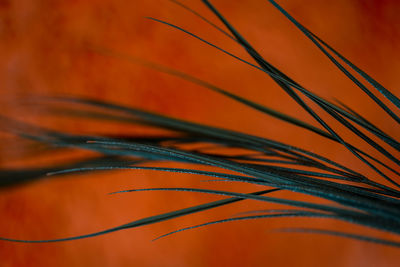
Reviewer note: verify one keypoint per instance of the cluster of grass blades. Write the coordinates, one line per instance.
(372, 202)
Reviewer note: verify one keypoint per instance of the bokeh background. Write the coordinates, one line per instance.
(46, 49)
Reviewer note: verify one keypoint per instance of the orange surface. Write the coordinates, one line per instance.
(45, 50)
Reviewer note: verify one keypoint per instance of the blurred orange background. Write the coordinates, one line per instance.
(45, 50)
